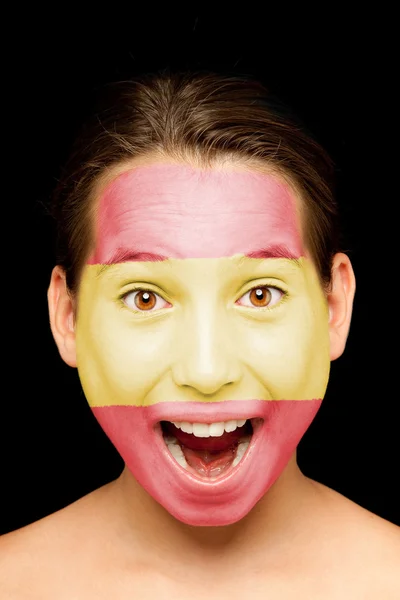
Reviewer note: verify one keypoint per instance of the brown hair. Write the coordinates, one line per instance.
(200, 117)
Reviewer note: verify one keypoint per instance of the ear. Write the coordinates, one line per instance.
(61, 311)
(340, 303)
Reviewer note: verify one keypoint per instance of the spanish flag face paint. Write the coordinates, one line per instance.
(202, 334)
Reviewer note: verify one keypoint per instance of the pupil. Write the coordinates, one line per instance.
(146, 297)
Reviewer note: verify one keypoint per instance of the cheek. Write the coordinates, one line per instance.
(290, 357)
(119, 362)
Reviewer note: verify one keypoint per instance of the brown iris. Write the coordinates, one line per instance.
(145, 300)
(260, 296)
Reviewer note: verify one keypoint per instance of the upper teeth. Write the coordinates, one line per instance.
(209, 429)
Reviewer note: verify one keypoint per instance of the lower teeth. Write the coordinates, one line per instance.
(176, 451)
(241, 449)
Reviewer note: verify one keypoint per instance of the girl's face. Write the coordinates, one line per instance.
(202, 334)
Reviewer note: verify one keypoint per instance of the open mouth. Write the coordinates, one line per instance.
(209, 450)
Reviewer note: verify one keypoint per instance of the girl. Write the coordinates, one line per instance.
(201, 293)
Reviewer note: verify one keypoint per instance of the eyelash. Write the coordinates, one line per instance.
(144, 289)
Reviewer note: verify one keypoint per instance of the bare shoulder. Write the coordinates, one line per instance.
(364, 546)
(35, 558)
(361, 524)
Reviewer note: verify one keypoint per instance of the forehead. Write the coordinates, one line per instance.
(179, 211)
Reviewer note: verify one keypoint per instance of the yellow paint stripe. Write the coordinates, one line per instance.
(129, 359)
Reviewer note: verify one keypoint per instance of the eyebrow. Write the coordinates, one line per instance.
(123, 255)
(274, 251)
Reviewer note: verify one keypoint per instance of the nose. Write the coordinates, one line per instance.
(207, 360)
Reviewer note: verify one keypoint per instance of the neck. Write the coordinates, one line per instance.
(270, 524)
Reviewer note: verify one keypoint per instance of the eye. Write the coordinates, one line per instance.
(262, 296)
(142, 300)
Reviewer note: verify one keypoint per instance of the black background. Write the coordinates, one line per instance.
(339, 76)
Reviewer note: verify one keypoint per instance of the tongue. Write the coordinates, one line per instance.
(209, 464)
(209, 456)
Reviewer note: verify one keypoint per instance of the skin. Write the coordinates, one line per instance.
(139, 366)
(301, 540)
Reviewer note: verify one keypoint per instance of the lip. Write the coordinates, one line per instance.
(210, 412)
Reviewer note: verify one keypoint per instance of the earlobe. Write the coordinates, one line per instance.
(340, 303)
(61, 312)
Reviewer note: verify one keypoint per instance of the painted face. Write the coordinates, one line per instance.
(202, 334)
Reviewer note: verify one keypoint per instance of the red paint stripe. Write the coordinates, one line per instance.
(181, 212)
(191, 500)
